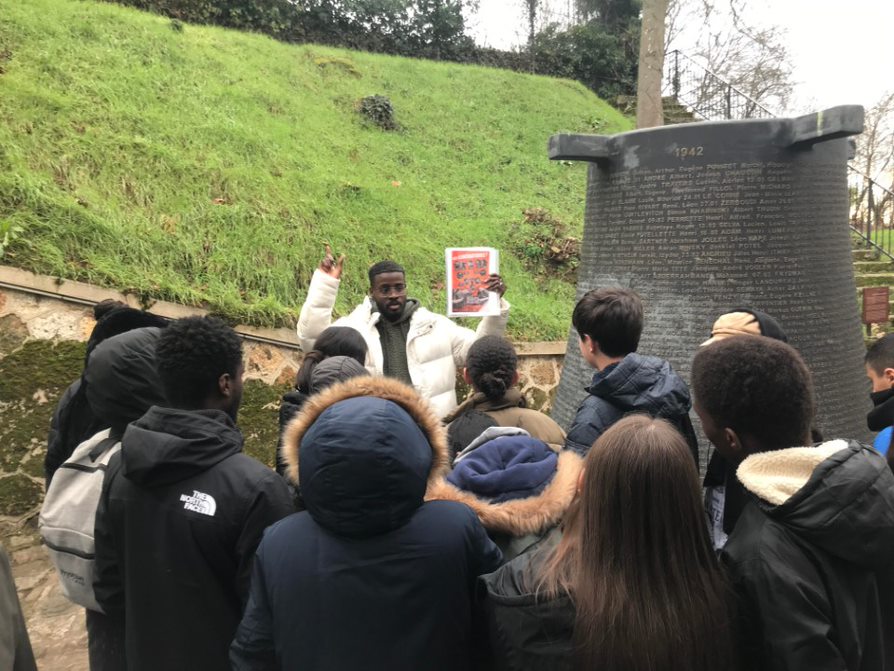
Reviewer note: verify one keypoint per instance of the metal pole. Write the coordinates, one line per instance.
(676, 79)
(869, 213)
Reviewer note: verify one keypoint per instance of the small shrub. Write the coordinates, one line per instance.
(541, 241)
(378, 110)
(342, 64)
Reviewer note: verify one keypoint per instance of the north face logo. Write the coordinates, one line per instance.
(199, 502)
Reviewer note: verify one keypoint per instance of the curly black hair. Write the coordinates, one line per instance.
(612, 317)
(492, 363)
(758, 387)
(881, 354)
(384, 267)
(192, 354)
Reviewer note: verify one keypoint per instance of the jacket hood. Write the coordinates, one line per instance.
(332, 370)
(167, 445)
(643, 383)
(122, 380)
(120, 320)
(363, 452)
(518, 516)
(838, 496)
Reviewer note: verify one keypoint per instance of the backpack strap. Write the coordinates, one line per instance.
(102, 447)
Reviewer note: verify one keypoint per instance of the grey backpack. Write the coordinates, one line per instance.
(68, 516)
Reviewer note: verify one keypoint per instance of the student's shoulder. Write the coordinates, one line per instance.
(760, 546)
(447, 516)
(250, 473)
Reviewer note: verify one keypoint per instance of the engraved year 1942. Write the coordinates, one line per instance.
(686, 152)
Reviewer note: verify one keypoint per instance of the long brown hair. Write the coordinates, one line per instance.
(636, 560)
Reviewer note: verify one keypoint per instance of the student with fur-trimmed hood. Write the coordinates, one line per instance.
(370, 576)
(519, 487)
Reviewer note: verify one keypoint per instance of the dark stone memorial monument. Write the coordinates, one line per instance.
(701, 218)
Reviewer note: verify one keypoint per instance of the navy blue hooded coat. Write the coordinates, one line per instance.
(637, 384)
(369, 576)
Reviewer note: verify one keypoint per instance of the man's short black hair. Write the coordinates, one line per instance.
(758, 387)
(192, 354)
(881, 354)
(612, 317)
(384, 267)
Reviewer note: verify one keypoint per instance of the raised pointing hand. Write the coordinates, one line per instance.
(330, 266)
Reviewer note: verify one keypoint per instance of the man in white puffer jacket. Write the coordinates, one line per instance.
(404, 340)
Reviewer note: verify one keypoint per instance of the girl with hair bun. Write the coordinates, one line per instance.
(492, 371)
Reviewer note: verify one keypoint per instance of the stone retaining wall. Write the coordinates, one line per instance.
(42, 345)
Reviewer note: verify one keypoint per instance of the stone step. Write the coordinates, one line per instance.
(874, 279)
(864, 255)
(873, 267)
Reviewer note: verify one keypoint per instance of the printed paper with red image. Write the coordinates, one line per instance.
(468, 269)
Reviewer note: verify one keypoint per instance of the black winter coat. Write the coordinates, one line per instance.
(526, 632)
(813, 573)
(57, 452)
(290, 406)
(369, 577)
(181, 514)
(637, 384)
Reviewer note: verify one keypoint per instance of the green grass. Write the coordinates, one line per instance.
(208, 166)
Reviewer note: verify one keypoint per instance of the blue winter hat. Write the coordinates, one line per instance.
(506, 468)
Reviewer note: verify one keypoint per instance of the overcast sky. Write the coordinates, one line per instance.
(842, 51)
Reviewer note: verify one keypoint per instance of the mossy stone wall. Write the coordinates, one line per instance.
(42, 348)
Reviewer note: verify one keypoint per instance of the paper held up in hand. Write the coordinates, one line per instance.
(468, 269)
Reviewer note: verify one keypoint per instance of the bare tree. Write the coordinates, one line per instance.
(531, 7)
(874, 189)
(743, 55)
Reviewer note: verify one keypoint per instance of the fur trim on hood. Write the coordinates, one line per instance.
(379, 387)
(519, 517)
(777, 475)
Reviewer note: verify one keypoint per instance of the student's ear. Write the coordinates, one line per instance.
(225, 385)
(467, 377)
(580, 479)
(888, 374)
(514, 379)
(589, 344)
(735, 448)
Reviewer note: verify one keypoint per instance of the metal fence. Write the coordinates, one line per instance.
(872, 213)
(705, 94)
(710, 98)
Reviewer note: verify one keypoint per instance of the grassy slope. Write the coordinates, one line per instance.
(118, 133)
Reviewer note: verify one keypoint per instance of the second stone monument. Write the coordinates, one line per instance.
(702, 218)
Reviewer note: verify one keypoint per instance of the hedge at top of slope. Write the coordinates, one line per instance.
(208, 166)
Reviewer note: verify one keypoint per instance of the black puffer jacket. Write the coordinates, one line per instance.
(637, 383)
(370, 576)
(181, 514)
(526, 631)
(811, 558)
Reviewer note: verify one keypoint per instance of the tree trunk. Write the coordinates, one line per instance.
(649, 111)
(532, 19)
